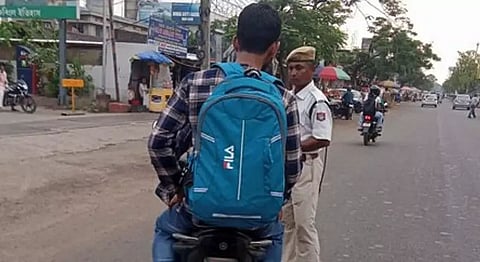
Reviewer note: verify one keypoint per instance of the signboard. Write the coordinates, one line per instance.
(170, 38)
(72, 83)
(23, 56)
(180, 13)
(151, 8)
(186, 13)
(24, 69)
(39, 9)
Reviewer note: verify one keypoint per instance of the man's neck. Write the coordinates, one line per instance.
(252, 60)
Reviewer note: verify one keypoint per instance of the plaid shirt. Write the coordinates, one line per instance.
(173, 134)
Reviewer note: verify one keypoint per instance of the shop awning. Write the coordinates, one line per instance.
(152, 56)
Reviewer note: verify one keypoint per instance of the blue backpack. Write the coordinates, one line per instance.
(238, 164)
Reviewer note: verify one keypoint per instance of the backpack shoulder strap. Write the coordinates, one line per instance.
(272, 79)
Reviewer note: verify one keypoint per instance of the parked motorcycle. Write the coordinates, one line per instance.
(349, 111)
(337, 110)
(17, 94)
(369, 129)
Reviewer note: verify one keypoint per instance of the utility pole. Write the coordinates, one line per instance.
(104, 48)
(62, 59)
(114, 51)
(205, 8)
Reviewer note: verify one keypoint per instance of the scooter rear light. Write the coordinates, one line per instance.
(368, 118)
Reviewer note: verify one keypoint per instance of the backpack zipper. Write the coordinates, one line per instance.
(240, 168)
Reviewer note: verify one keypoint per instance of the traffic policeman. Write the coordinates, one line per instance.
(301, 242)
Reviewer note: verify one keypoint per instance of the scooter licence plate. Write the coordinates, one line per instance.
(366, 124)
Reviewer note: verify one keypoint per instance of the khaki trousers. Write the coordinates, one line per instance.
(2, 94)
(301, 243)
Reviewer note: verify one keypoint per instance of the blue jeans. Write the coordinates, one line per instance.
(178, 220)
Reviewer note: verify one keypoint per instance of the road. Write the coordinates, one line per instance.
(413, 196)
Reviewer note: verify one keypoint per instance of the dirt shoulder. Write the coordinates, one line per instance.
(103, 194)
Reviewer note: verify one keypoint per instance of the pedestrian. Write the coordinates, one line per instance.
(144, 92)
(473, 105)
(301, 242)
(256, 43)
(3, 84)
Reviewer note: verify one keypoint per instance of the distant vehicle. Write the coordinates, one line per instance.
(430, 100)
(357, 99)
(461, 101)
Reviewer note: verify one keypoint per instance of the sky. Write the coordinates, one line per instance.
(118, 5)
(449, 25)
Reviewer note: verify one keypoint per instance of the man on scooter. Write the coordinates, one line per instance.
(373, 106)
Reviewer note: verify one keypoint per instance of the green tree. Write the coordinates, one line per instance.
(394, 52)
(358, 64)
(45, 53)
(464, 75)
(316, 23)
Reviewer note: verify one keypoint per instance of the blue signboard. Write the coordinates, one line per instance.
(180, 13)
(24, 70)
(186, 13)
(170, 38)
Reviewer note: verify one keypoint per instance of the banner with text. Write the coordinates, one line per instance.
(180, 13)
(170, 38)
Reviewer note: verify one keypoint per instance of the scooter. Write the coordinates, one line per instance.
(350, 109)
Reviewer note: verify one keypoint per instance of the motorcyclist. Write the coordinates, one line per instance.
(256, 44)
(373, 97)
(347, 101)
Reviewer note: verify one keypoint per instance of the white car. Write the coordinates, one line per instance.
(430, 100)
(461, 101)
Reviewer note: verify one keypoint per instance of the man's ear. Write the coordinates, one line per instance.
(236, 45)
(273, 50)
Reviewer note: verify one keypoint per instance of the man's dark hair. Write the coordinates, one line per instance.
(258, 27)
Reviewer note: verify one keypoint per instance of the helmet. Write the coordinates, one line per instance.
(375, 90)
